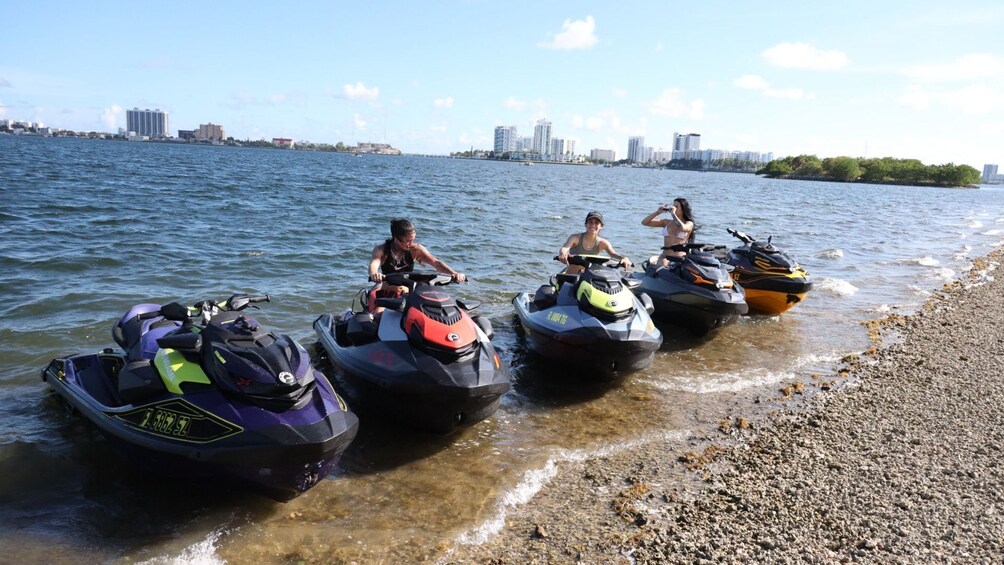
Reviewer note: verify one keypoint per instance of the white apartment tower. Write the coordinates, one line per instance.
(685, 145)
(635, 146)
(542, 137)
(153, 123)
(506, 140)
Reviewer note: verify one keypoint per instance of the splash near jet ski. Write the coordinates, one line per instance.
(209, 394)
(426, 362)
(591, 320)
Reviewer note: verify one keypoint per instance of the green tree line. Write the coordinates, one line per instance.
(885, 170)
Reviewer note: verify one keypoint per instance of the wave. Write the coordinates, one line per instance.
(974, 224)
(713, 383)
(200, 553)
(836, 286)
(830, 253)
(943, 273)
(993, 232)
(535, 479)
(926, 261)
(964, 253)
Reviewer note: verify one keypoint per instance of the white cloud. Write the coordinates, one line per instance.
(659, 47)
(751, 82)
(804, 56)
(112, 117)
(967, 67)
(359, 91)
(397, 102)
(4, 83)
(972, 99)
(672, 103)
(277, 99)
(757, 82)
(619, 92)
(577, 34)
(513, 104)
(443, 102)
(439, 128)
(359, 122)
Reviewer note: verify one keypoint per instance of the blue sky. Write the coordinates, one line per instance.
(917, 79)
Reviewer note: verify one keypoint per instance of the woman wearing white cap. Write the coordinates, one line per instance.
(589, 242)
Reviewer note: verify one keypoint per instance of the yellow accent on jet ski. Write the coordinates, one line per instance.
(614, 304)
(175, 370)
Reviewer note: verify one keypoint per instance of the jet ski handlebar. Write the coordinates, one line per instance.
(687, 247)
(586, 260)
(412, 278)
(740, 236)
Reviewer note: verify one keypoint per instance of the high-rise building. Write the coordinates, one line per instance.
(989, 173)
(152, 123)
(685, 145)
(603, 155)
(635, 145)
(557, 146)
(210, 132)
(542, 137)
(506, 139)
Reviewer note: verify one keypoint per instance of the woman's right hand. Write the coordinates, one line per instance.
(563, 255)
(376, 277)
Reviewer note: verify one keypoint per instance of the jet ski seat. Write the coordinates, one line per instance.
(545, 297)
(361, 329)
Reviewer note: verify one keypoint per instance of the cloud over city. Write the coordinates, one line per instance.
(575, 34)
(805, 56)
(757, 83)
(358, 91)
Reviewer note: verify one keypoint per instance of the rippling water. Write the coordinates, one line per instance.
(88, 228)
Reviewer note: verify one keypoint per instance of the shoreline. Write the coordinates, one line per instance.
(895, 459)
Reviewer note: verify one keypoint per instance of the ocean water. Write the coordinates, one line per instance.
(88, 228)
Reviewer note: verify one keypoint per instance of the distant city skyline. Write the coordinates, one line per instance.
(865, 80)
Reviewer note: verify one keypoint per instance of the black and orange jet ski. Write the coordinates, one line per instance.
(774, 282)
(694, 291)
(426, 362)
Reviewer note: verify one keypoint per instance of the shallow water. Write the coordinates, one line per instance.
(89, 228)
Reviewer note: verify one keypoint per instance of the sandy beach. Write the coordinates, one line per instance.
(895, 458)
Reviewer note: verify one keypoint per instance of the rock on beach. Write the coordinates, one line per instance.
(899, 463)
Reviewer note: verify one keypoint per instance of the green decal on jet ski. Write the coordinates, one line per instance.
(174, 369)
(557, 318)
(179, 419)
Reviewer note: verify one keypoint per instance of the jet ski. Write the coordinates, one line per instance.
(773, 281)
(694, 291)
(426, 362)
(209, 394)
(590, 321)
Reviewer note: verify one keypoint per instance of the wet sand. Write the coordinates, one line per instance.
(895, 458)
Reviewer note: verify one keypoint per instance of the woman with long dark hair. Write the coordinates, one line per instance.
(677, 227)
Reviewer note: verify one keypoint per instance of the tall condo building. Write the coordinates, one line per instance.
(635, 146)
(685, 145)
(602, 155)
(989, 172)
(542, 137)
(211, 132)
(506, 139)
(148, 122)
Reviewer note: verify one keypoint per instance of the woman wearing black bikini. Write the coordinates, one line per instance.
(676, 229)
(398, 255)
(589, 242)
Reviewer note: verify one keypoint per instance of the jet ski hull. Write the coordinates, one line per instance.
(598, 348)
(700, 310)
(413, 386)
(207, 437)
(772, 295)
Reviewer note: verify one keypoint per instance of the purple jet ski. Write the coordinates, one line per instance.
(208, 393)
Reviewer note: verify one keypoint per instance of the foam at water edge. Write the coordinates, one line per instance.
(830, 253)
(535, 479)
(883, 309)
(927, 261)
(983, 276)
(712, 383)
(201, 553)
(993, 232)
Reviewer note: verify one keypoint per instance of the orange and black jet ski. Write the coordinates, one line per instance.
(774, 282)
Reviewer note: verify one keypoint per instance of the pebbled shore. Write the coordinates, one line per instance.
(898, 459)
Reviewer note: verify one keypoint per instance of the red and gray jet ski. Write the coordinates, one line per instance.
(426, 362)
